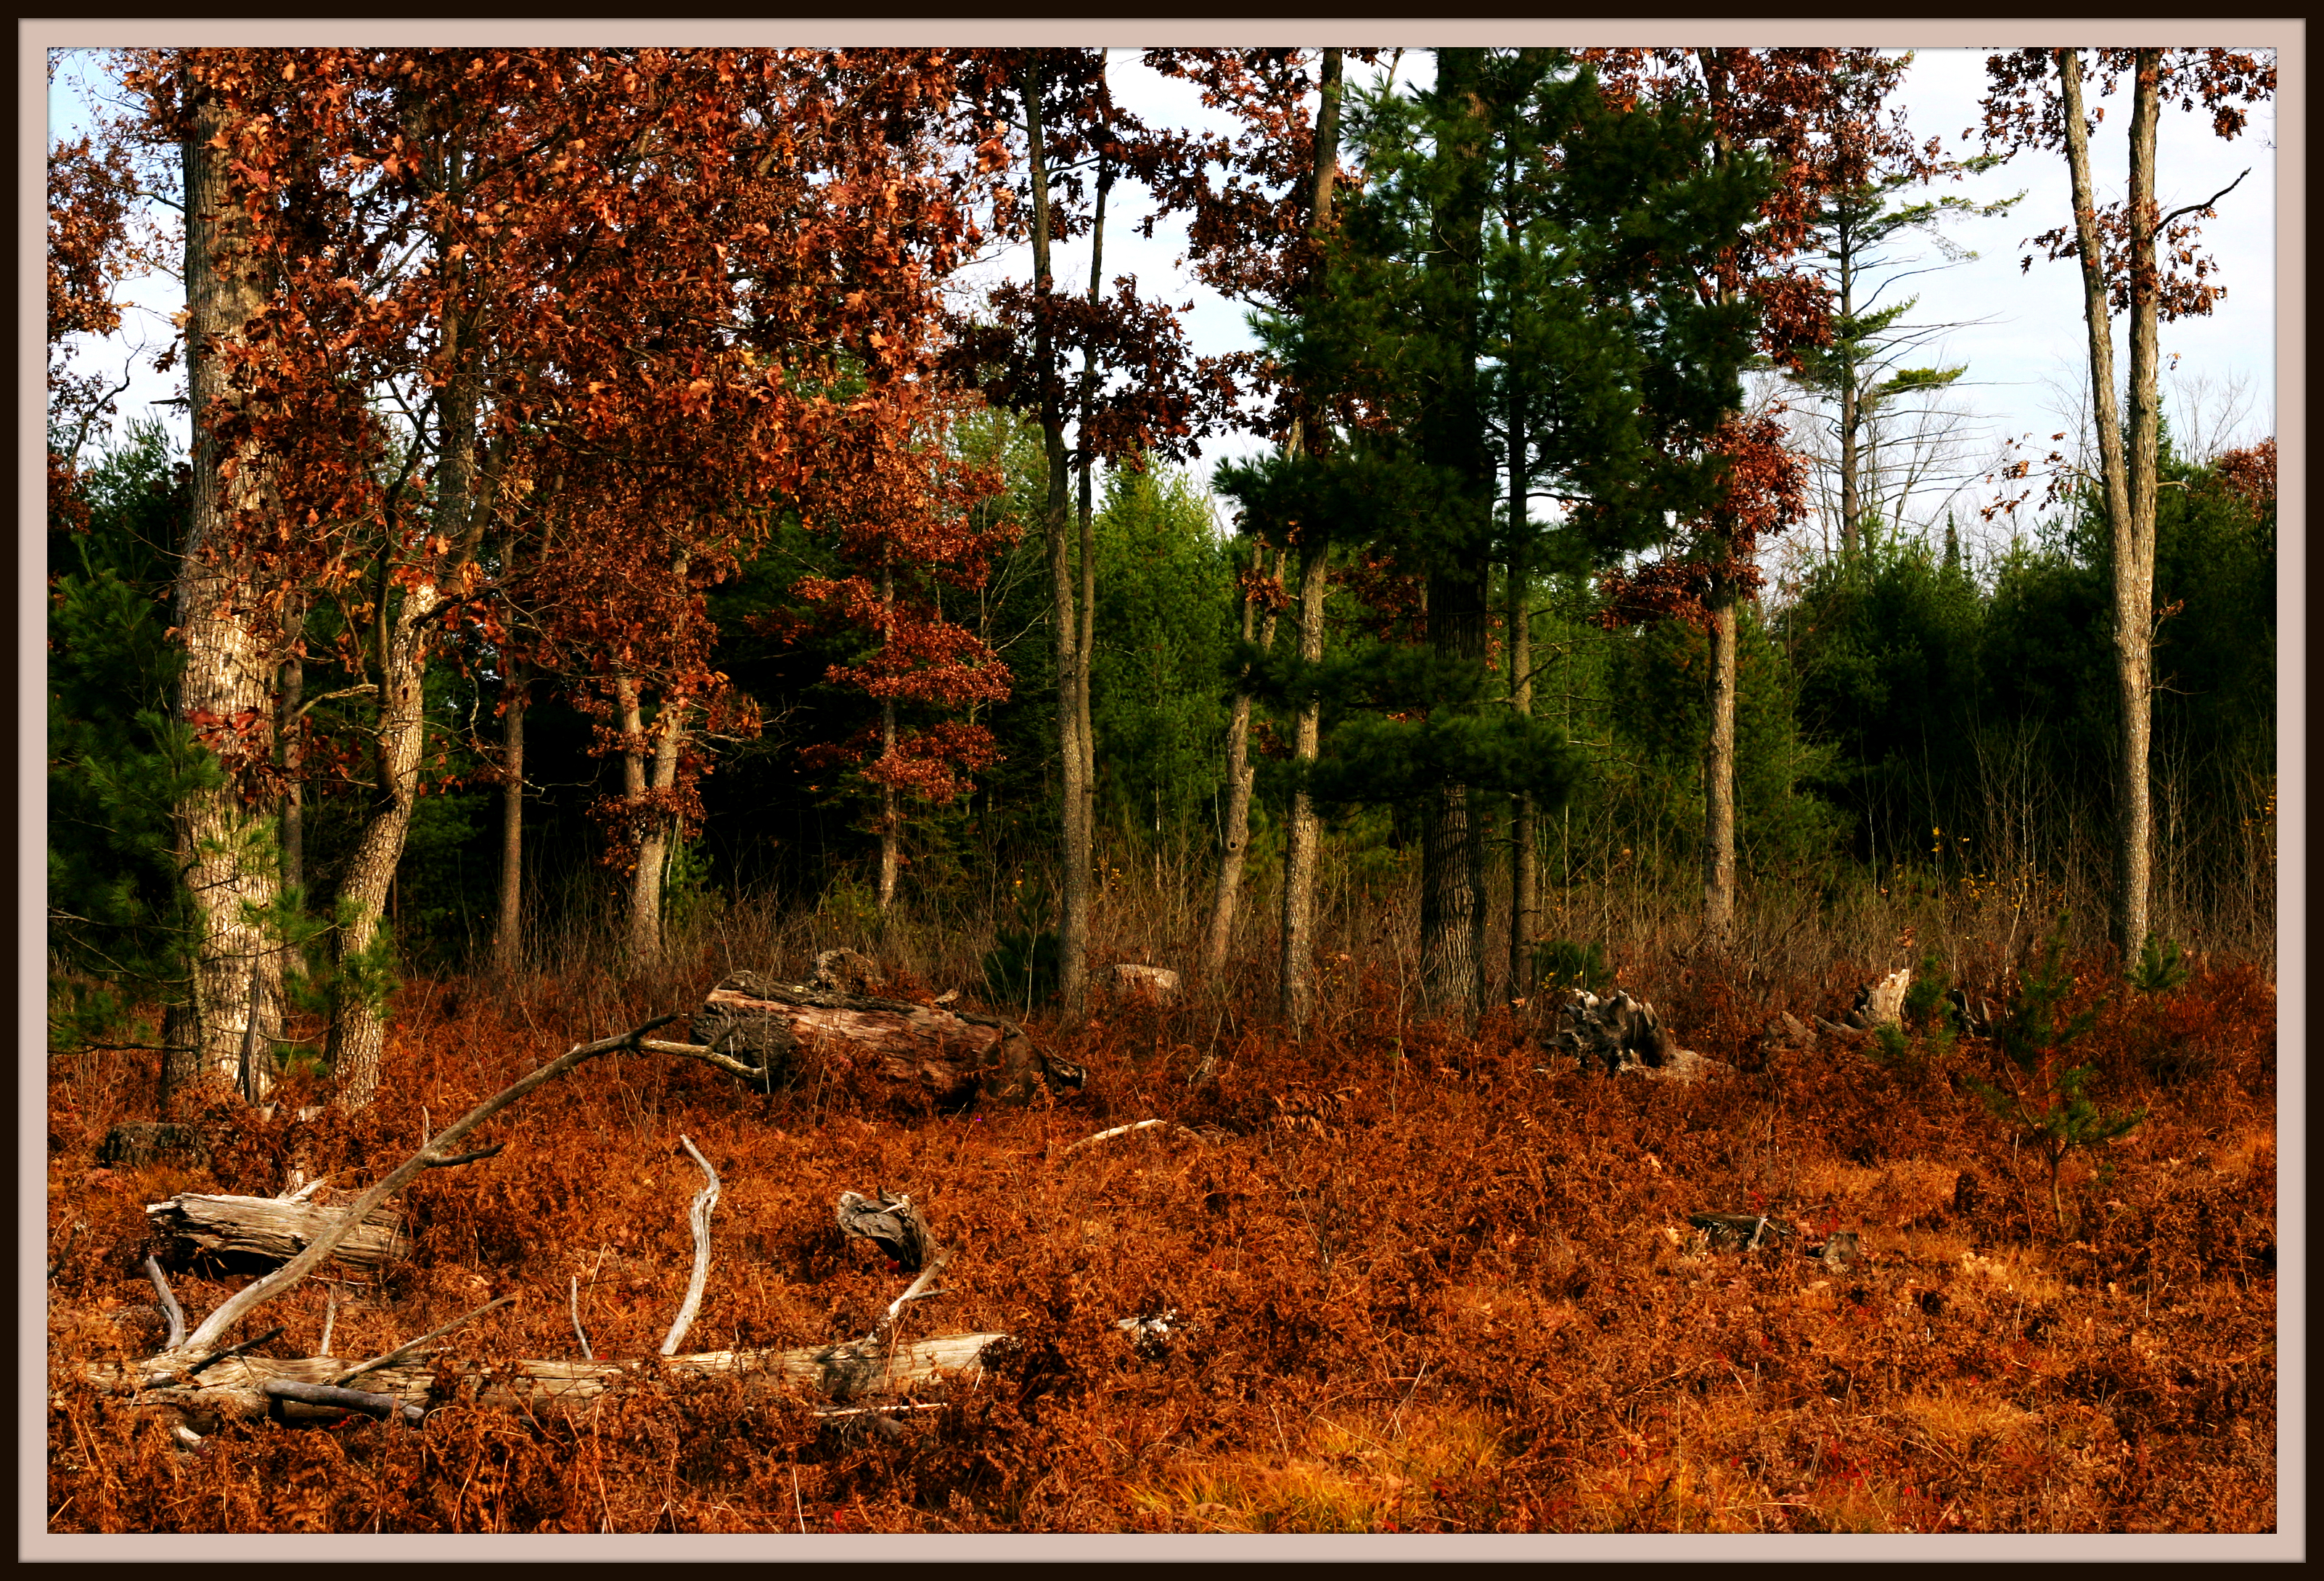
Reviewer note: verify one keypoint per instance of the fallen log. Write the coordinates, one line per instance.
(276, 1229)
(771, 1034)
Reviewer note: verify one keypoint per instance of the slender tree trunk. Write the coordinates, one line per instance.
(1851, 413)
(1073, 762)
(1087, 646)
(890, 833)
(1227, 894)
(639, 781)
(1305, 833)
(289, 754)
(2134, 561)
(1525, 869)
(1719, 769)
(228, 856)
(2130, 650)
(508, 934)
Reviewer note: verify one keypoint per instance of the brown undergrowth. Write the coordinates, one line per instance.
(1422, 1283)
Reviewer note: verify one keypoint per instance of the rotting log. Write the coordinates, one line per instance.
(237, 1388)
(276, 1229)
(771, 1034)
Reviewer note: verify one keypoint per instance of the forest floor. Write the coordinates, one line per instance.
(1427, 1281)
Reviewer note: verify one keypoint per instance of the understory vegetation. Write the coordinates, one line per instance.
(1426, 1278)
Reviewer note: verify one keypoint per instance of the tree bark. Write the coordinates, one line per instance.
(1719, 769)
(1073, 890)
(228, 857)
(1525, 867)
(1304, 834)
(1850, 412)
(1226, 896)
(2134, 561)
(646, 879)
(508, 935)
(289, 753)
(2131, 650)
(891, 831)
(1452, 857)
(1086, 645)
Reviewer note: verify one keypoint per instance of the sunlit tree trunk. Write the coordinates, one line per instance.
(2133, 560)
(508, 933)
(2132, 616)
(1074, 897)
(1718, 768)
(1226, 895)
(229, 855)
(1087, 646)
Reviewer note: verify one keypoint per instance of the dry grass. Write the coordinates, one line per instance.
(1428, 1287)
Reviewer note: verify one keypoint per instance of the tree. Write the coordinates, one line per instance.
(1139, 391)
(2120, 252)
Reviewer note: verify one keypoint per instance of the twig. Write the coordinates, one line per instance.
(912, 1292)
(244, 1300)
(304, 1192)
(330, 1319)
(796, 1504)
(699, 1216)
(466, 1158)
(708, 1056)
(880, 1409)
(232, 1350)
(407, 1347)
(2197, 207)
(169, 1308)
(386, 1407)
(575, 1297)
(1074, 1146)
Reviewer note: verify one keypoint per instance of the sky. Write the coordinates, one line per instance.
(2019, 334)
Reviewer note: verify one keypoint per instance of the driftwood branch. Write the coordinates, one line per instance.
(699, 1216)
(169, 1308)
(251, 1296)
(411, 1345)
(707, 1055)
(575, 1297)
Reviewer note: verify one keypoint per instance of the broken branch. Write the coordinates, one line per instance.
(251, 1296)
(1074, 1146)
(386, 1407)
(233, 1350)
(699, 1216)
(575, 1297)
(169, 1308)
(466, 1158)
(409, 1345)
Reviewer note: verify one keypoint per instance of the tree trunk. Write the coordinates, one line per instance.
(228, 857)
(2134, 561)
(508, 935)
(1452, 859)
(290, 755)
(1719, 769)
(1074, 891)
(890, 833)
(2130, 622)
(1086, 645)
(1239, 776)
(1525, 868)
(1304, 832)
(655, 836)
(1851, 415)
(1298, 991)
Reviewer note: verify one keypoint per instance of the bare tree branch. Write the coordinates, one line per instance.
(700, 1214)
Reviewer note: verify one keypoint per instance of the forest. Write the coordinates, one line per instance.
(639, 560)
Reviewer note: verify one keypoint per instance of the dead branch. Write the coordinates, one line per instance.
(169, 1308)
(255, 1295)
(276, 1228)
(575, 1297)
(699, 1216)
(409, 1346)
(386, 1407)
(469, 1158)
(248, 1345)
(1072, 1148)
(913, 1291)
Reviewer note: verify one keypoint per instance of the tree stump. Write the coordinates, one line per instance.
(1623, 1036)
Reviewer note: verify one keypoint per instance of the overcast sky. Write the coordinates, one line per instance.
(2020, 334)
